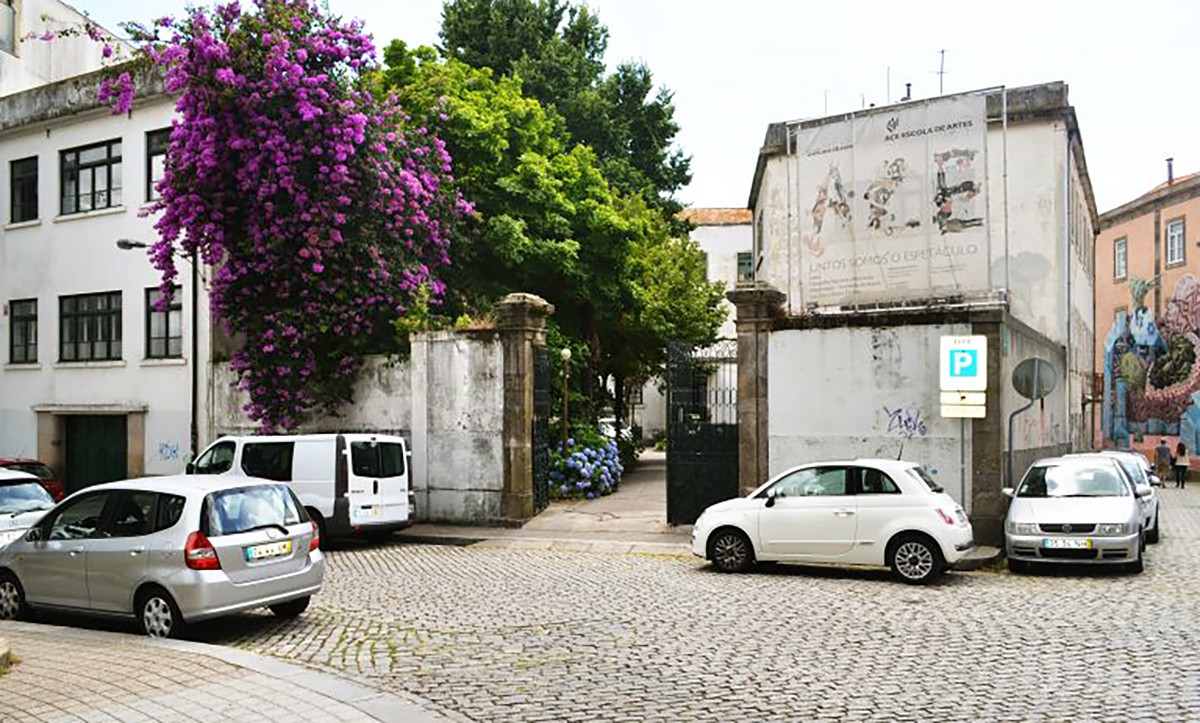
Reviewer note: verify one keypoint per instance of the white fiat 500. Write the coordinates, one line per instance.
(881, 512)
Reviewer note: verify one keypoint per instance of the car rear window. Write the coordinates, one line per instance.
(240, 509)
(924, 477)
(17, 496)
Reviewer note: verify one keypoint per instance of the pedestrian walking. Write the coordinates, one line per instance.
(1181, 465)
(1162, 460)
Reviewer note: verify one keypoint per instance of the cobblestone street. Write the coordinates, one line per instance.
(510, 634)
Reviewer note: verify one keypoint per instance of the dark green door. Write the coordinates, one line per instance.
(96, 447)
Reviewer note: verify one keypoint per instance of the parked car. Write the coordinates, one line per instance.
(23, 500)
(866, 512)
(1137, 471)
(1075, 510)
(350, 484)
(608, 428)
(166, 551)
(38, 469)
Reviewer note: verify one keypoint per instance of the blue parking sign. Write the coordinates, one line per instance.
(964, 362)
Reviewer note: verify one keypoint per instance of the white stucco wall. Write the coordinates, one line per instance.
(447, 400)
(64, 255)
(860, 392)
(722, 243)
(34, 62)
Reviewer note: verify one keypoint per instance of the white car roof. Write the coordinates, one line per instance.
(202, 483)
(12, 474)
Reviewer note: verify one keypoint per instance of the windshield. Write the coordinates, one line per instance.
(241, 509)
(17, 497)
(1073, 481)
(921, 474)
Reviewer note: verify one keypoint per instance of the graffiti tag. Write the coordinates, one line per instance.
(906, 423)
(168, 450)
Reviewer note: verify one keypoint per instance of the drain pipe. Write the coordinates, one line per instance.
(1011, 418)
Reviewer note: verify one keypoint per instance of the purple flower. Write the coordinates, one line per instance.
(318, 267)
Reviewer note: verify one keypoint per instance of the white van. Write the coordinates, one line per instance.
(350, 483)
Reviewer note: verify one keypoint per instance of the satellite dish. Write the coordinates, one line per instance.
(1034, 378)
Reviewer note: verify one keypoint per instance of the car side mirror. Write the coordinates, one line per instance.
(190, 468)
(1008, 492)
(1155, 481)
(1143, 490)
(34, 534)
(771, 495)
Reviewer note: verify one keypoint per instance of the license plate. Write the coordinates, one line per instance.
(1067, 543)
(271, 549)
(369, 511)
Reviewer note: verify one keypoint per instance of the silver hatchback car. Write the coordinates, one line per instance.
(167, 551)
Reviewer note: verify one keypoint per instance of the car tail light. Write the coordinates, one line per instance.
(316, 537)
(946, 516)
(199, 554)
(55, 488)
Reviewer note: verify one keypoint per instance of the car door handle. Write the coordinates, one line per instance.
(134, 552)
(75, 551)
(843, 513)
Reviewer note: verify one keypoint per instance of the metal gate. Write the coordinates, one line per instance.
(541, 428)
(702, 434)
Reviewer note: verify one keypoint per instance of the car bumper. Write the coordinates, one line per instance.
(203, 594)
(1101, 550)
(957, 544)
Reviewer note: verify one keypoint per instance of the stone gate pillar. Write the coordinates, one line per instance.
(522, 325)
(758, 305)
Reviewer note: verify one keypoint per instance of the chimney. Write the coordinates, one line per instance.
(1170, 171)
(907, 92)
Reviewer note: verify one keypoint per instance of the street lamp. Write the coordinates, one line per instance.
(126, 244)
(565, 355)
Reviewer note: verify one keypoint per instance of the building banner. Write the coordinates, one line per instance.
(892, 204)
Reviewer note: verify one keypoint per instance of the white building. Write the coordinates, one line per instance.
(890, 228)
(95, 381)
(27, 63)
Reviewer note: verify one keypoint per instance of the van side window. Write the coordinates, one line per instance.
(391, 459)
(364, 459)
(269, 460)
(217, 460)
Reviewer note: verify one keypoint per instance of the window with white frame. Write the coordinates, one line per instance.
(1175, 247)
(1120, 258)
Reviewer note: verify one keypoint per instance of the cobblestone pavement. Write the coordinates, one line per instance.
(512, 634)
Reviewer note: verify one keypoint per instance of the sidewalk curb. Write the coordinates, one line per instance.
(375, 704)
(979, 558)
(6, 657)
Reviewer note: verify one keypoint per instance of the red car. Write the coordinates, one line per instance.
(38, 469)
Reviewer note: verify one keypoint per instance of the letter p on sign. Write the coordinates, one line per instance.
(964, 363)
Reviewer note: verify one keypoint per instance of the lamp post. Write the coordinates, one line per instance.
(565, 355)
(126, 244)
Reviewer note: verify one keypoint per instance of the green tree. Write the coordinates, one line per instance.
(557, 51)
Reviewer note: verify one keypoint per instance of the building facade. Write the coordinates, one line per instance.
(97, 381)
(879, 235)
(1148, 318)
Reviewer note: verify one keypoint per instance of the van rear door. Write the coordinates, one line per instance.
(378, 489)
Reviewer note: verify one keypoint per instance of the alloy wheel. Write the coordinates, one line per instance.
(914, 560)
(157, 617)
(10, 600)
(731, 552)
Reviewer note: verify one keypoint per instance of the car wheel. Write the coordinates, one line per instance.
(12, 598)
(1018, 566)
(915, 560)
(1137, 565)
(291, 608)
(158, 614)
(1152, 533)
(730, 551)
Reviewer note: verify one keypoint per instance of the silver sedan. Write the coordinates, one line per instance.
(166, 551)
(1075, 510)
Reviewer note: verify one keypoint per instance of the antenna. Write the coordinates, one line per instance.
(942, 73)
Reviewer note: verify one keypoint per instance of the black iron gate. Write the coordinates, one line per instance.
(702, 434)
(541, 428)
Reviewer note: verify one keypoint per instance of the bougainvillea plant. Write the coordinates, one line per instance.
(322, 210)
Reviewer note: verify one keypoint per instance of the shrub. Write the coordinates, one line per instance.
(589, 467)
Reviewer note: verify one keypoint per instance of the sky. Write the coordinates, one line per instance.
(735, 67)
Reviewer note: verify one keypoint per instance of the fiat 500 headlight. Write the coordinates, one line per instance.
(1113, 528)
(1023, 528)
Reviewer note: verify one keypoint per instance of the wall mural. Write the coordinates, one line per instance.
(1151, 369)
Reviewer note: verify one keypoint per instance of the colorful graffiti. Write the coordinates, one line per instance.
(1152, 368)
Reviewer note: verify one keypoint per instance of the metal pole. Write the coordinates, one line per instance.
(195, 436)
(566, 399)
(1012, 417)
(962, 462)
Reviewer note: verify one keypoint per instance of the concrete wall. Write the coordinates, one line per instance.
(1044, 429)
(844, 393)
(35, 62)
(447, 399)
